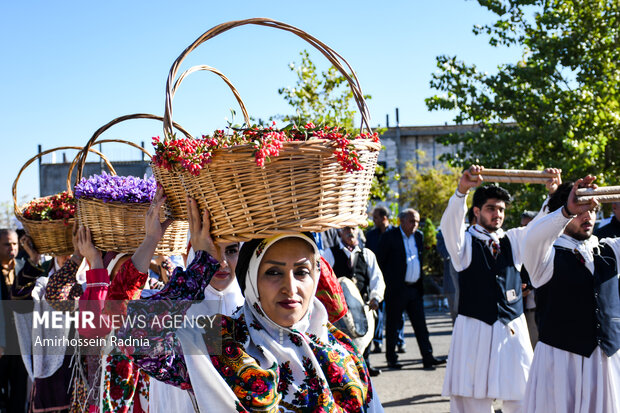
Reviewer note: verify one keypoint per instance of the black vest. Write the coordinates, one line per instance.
(484, 285)
(359, 273)
(578, 310)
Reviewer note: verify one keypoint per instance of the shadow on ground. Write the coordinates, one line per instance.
(415, 400)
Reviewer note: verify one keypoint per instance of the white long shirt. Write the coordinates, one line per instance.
(376, 284)
(544, 234)
(485, 361)
(562, 381)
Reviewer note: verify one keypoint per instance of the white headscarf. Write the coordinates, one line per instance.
(315, 319)
(224, 302)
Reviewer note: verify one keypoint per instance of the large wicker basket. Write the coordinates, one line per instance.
(117, 226)
(51, 237)
(120, 227)
(171, 179)
(303, 189)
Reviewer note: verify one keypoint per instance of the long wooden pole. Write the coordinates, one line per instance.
(604, 194)
(517, 176)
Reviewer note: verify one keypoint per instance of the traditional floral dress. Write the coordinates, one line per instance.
(251, 363)
(119, 385)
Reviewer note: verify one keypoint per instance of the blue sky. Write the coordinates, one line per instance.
(69, 67)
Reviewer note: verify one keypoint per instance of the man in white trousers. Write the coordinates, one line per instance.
(576, 367)
(490, 353)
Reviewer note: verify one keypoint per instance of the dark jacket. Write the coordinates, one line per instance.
(579, 310)
(611, 230)
(372, 238)
(490, 288)
(25, 277)
(392, 260)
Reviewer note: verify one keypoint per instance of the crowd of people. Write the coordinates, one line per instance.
(536, 313)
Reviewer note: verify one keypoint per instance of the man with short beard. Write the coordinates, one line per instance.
(490, 352)
(576, 365)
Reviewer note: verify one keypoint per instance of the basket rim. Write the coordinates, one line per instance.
(21, 208)
(45, 221)
(327, 143)
(114, 202)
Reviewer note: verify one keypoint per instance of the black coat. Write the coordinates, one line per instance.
(25, 277)
(611, 230)
(392, 260)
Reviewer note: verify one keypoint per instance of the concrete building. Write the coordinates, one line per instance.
(417, 144)
(406, 143)
(53, 170)
(53, 176)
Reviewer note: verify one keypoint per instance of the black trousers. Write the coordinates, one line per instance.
(411, 302)
(14, 383)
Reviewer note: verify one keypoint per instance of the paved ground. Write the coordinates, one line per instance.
(413, 390)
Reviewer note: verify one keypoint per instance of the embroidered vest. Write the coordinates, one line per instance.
(490, 288)
(579, 310)
(358, 273)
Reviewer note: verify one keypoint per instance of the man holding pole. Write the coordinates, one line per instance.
(490, 352)
(576, 365)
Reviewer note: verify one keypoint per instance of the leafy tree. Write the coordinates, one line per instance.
(557, 106)
(324, 99)
(327, 99)
(428, 189)
(430, 257)
(7, 215)
(380, 189)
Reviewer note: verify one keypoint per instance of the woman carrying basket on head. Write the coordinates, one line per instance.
(279, 352)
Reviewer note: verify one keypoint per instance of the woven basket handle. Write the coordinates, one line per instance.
(193, 69)
(113, 172)
(335, 59)
(98, 132)
(60, 148)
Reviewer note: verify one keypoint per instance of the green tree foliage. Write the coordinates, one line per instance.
(428, 189)
(380, 189)
(7, 215)
(326, 99)
(430, 257)
(558, 106)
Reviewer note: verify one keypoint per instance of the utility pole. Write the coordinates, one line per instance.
(39, 150)
(100, 160)
(398, 154)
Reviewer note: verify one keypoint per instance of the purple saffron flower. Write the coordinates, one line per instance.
(108, 188)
